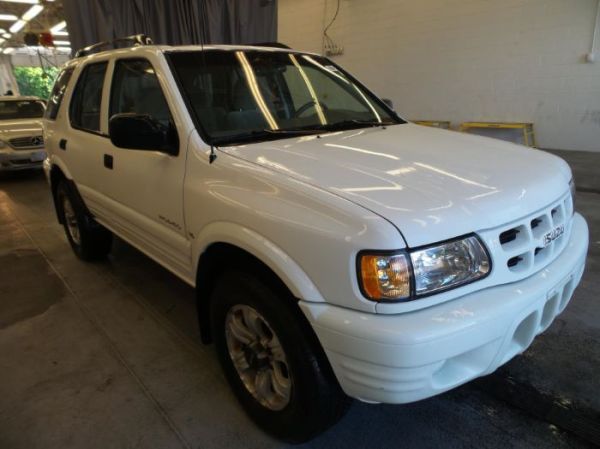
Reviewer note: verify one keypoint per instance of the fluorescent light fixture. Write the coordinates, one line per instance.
(58, 27)
(59, 33)
(31, 2)
(32, 12)
(62, 43)
(8, 51)
(64, 49)
(17, 26)
(6, 35)
(8, 17)
(2, 40)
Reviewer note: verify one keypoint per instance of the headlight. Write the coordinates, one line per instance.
(405, 275)
(573, 193)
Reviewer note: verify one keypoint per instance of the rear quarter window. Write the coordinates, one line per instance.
(58, 92)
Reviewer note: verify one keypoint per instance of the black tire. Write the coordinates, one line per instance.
(93, 241)
(316, 401)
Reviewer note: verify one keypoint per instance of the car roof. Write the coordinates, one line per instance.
(145, 49)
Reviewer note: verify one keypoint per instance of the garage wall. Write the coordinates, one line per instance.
(461, 60)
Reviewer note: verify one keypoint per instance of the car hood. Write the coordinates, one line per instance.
(24, 127)
(431, 184)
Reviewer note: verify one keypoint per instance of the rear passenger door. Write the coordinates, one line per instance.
(147, 186)
(85, 143)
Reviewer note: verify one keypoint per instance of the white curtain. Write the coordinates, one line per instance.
(7, 77)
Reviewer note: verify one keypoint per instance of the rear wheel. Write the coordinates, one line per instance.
(89, 240)
(273, 360)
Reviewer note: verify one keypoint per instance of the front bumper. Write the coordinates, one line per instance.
(21, 159)
(416, 355)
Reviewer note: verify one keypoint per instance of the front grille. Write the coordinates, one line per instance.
(525, 246)
(27, 142)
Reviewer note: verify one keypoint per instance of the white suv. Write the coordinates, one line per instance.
(337, 250)
(21, 142)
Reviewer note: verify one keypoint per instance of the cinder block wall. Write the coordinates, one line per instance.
(463, 60)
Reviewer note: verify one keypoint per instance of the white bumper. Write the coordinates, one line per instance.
(416, 355)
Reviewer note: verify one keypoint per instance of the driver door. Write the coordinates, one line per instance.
(147, 186)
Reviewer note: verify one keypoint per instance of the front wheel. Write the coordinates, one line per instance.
(89, 240)
(273, 360)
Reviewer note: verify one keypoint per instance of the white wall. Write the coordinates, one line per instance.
(463, 60)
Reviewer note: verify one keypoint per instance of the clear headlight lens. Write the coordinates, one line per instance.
(573, 193)
(448, 265)
(404, 275)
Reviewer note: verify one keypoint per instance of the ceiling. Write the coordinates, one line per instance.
(50, 15)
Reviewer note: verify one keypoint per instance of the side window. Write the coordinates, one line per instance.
(58, 91)
(135, 89)
(87, 98)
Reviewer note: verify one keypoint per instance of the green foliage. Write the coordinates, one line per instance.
(35, 80)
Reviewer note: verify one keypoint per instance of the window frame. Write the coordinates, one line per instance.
(80, 80)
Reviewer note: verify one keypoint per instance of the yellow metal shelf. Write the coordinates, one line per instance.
(527, 128)
(433, 123)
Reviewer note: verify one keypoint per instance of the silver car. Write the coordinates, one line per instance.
(21, 138)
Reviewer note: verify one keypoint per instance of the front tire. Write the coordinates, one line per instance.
(272, 359)
(89, 240)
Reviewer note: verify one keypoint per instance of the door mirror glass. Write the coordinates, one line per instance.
(142, 132)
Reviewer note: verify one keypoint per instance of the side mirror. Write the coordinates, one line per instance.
(389, 102)
(142, 132)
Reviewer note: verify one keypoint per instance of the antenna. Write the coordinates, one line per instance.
(213, 156)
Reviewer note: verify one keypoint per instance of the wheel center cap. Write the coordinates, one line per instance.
(256, 356)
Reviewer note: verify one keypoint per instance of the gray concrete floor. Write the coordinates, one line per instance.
(106, 355)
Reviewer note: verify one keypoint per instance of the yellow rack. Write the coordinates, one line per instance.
(527, 129)
(433, 123)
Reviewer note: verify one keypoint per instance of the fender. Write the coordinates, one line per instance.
(57, 161)
(260, 247)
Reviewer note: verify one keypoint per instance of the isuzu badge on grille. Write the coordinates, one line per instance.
(549, 237)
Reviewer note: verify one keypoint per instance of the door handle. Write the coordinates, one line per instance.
(108, 161)
(62, 144)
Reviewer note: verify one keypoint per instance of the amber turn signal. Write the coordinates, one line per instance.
(385, 276)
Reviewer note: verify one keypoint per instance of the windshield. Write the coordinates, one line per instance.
(239, 96)
(21, 109)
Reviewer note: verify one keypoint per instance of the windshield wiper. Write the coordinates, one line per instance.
(346, 124)
(266, 134)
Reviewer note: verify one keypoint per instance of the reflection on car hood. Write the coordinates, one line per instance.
(22, 127)
(432, 184)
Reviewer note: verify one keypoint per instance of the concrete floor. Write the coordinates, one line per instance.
(107, 355)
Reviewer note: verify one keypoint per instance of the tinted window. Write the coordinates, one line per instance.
(58, 91)
(248, 95)
(15, 109)
(135, 89)
(87, 98)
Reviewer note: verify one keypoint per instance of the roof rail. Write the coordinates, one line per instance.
(135, 40)
(271, 44)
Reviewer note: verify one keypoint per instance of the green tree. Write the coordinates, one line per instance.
(36, 81)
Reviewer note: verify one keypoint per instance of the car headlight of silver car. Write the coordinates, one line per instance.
(403, 275)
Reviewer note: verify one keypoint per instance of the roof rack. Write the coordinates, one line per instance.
(135, 40)
(271, 44)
